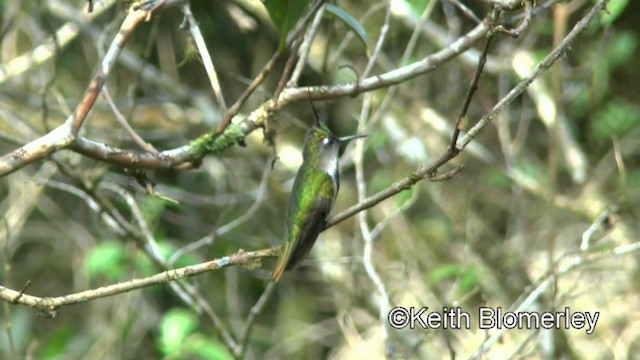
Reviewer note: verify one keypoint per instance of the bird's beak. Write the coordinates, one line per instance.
(345, 139)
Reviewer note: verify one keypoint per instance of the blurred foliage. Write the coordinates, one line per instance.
(479, 239)
(350, 21)
(108, 259)
(178, 338)
(285, 14)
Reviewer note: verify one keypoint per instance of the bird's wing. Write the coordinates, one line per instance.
(306, 218)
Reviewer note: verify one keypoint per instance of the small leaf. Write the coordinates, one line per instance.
(470, 280)
(417, 6)
(621, 49)
(107, 259)
(615, 8)
(445, 271)
(614, 119)
(206, 347)
(350, 21)
(57, 343)
(285, 14)
(175, 326)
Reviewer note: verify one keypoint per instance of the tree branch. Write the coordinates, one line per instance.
(65, 134)
(49, 305)
(430, 171)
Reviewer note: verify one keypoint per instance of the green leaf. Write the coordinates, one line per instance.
(107, 259)
(350, 21)
(152, 208)
(470, 280)
(496, 178)
(57, 343)
(206, 347)
(445, 271)
(621, 49)
(405, 196)
(175, 327)
(615, 8)
(615, 118)
(417, 6)
(285, 14)
(531, 172)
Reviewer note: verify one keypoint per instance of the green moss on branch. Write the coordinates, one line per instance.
(212, 144)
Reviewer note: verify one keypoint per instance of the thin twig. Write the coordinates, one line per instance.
(575, 261)
(461, 123)
(384, 30)
(305, 48)
(59, 138)
(194, 29)
(208, 240)
(431, 169)
(288, 68)
(588, 234)
(358, 157)
(65, 134)
(396, 212)
(251, 319)
(465, 10)
(526, 21)
(233, 110)
(367, 257)
(125, 124)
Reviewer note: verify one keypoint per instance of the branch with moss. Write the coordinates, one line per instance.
(66, 135)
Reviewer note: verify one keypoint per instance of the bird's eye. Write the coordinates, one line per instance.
(326, 141)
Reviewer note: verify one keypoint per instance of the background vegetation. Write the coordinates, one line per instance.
(552, 172)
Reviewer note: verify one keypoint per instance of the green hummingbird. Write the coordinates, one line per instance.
(313, 194)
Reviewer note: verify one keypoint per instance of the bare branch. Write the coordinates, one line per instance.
(523, 25)
(45, 52)
(194, 29)
(125, 124)
(461, 123)
(233, 110)
(51, 304)
(65, 134)
(251, 319)
(431, 169)
(573, 262)
(305, 48)
(542, 66)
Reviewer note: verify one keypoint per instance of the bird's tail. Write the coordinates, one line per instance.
(283, 260)
(278, 271)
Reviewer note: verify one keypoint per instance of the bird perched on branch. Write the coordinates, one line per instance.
(313, 194)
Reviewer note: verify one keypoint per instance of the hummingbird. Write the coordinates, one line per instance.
(313, 195)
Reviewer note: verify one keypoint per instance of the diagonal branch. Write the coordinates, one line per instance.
(65, 134)
(62, 138)
(430, 171)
